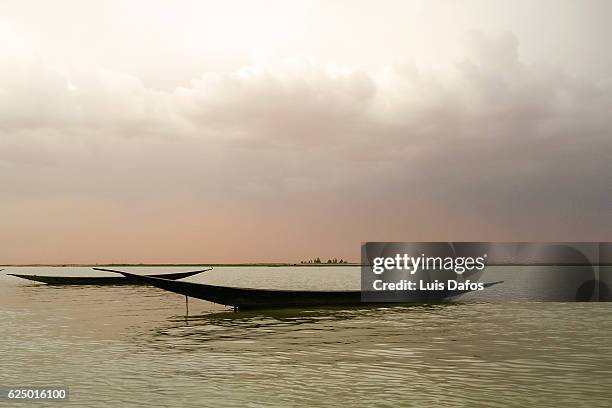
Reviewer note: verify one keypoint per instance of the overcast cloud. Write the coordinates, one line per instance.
(286, 154)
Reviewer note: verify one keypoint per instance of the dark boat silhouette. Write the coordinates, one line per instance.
(250, 298)
(102, 280)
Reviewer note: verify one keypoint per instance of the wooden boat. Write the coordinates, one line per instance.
(249, 298)
(102, 280)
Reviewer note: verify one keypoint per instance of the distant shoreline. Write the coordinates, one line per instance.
(271, 264)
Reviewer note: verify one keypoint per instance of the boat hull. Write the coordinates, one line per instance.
(249, 298)
(101, 280)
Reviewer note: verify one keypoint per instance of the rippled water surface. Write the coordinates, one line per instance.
(133, 346)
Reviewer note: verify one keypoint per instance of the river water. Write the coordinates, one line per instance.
(132, 346)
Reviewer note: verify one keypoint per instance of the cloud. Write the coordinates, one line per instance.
(297, 103)
(489, 148)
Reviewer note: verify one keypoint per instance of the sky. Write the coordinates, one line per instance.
(278, 131)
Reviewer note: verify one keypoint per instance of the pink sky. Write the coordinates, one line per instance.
(185, 132)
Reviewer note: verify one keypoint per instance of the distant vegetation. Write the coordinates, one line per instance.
(317, 260)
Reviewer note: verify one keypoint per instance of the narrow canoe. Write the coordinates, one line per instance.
(249, 298)
(102, 280)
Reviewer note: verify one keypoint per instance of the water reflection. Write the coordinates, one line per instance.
(255, 324)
